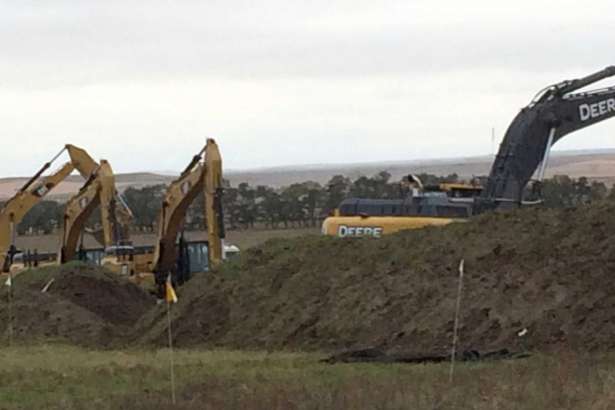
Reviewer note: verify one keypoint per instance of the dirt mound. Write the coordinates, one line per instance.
(83, 304)
(548, 271)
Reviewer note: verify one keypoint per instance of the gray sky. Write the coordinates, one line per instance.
(142, 83)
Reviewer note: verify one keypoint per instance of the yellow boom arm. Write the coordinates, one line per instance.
(199, 177)
(99, 189)
(213, 203)
(32, 193)
(177, 199)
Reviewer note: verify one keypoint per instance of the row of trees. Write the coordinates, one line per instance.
(303, 204)
(44, 218)
(298, 205)
(562, 191)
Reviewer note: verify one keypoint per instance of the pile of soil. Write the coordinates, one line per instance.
(82, 304)
(550, 272)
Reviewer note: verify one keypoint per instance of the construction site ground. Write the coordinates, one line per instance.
(545, 274)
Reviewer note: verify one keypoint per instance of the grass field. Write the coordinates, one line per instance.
(242, 238)
(63, 377)
(248, 238)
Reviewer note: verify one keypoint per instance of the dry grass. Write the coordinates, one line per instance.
(242, 238)
(252, 237)
(62, 377)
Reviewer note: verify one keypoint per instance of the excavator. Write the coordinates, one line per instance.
(173, 255)
(32, 192)
(98, 191)
(420, 206)
(556, 111)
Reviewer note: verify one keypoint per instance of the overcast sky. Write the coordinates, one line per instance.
(142, 83)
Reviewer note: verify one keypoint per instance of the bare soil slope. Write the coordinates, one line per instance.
(83, 305)
(548, 271)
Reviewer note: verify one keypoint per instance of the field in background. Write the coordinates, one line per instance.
(249, 238)
(62, 377)
(242, 238)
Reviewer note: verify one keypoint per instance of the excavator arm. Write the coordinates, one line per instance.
(202, 176)
(78, 209)
(180, 194)
(33, 192)
(553, 114)
(213, 203)
(99, 190)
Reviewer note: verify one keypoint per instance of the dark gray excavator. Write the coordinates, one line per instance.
(555, 112)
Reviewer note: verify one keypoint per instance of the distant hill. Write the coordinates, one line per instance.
(8, 186)
(596, 165)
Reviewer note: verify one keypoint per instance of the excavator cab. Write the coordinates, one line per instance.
(193, 257)
(93, 256)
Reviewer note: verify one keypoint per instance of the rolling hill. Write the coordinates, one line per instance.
(596, 165)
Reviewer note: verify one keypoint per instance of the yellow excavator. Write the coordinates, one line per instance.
(176, 256)
(170, 255)
(98, 191)
(32, 193)
(173, 254)
(420, 206)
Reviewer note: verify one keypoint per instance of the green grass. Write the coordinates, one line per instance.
(63, 377)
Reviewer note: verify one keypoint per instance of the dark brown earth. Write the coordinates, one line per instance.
(552, 272)
(84, 305)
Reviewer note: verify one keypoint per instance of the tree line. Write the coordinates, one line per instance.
(303, 204)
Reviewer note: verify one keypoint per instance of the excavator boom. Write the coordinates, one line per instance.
(180, 194)
(213, 203)
(78, 209)
(99, 190)
(554, 114)
(202, 176)
(32, 193)
(81, 160)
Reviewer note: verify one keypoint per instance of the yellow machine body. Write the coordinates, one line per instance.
(436, 205)
(376, 226)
